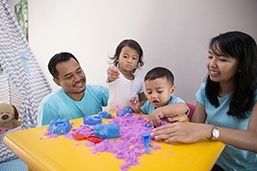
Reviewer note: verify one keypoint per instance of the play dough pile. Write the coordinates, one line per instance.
(134, 138)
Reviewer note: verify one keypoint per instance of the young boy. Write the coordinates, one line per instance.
(161, 104)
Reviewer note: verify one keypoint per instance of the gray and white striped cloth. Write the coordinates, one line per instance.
(22, 82)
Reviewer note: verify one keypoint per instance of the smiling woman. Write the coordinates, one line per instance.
(226, 107)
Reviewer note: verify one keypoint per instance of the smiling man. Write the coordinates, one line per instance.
(75, 98)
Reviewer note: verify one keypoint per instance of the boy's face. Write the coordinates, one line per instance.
(158, 91)
(71, 77)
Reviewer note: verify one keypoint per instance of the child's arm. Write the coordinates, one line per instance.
(112, 74)
(172, 112)
(142, 98)
(135, 104)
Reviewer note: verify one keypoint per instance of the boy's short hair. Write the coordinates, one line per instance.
(159, 72)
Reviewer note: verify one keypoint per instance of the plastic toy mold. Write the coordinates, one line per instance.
(107, 130)
(147, 139)
(92, 120)
(124, 111)
(105, 114)
(148, 125)
(92, 138)
(60, 126)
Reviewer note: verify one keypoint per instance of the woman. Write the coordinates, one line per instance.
(227, 100)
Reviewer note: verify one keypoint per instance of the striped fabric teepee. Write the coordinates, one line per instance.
(22, 82)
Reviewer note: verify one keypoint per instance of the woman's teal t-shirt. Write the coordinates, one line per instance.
(232, 158)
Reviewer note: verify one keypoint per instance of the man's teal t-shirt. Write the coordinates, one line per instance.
(58, 105)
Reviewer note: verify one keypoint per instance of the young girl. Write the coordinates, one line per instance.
(122, 81)
(227, 101)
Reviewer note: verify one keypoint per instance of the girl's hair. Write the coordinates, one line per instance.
(242, 47)
(160, 72)
(131, 44)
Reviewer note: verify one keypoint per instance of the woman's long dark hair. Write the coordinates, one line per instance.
(242, 47)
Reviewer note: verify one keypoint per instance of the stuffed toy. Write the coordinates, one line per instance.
(8, 117)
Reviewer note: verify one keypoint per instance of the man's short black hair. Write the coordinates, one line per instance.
(58, 58)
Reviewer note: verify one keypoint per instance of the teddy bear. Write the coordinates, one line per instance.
(8, 117)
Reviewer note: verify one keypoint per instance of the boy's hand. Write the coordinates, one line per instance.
(155, 117)
(112, 73)
(135, 104)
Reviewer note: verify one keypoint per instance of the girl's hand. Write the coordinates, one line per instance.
(182, 132)
(135, 104)
(112, 73)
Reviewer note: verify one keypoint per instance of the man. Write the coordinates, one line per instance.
(75, 99)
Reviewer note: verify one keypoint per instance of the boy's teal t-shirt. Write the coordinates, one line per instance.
(147, 107)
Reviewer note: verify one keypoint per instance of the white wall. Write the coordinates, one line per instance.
(173, 33)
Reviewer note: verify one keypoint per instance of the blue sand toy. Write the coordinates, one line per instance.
(148, 125)
(123, 112)
(92, 120)
(107, 130)
(105, 115)
(60, 126)
(146, 139)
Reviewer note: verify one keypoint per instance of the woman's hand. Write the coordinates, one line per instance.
(182, 132)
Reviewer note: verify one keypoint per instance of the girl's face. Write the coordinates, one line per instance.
(222, 68)
(158, 91)
(128, 59)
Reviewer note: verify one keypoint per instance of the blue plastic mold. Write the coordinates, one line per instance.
(107, 130)
(147, 140)
(105, 114)
(60, 126)
(92, 120)
(148, 125)
(125, 112)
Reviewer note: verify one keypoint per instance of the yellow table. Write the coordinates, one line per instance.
(60, 154)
